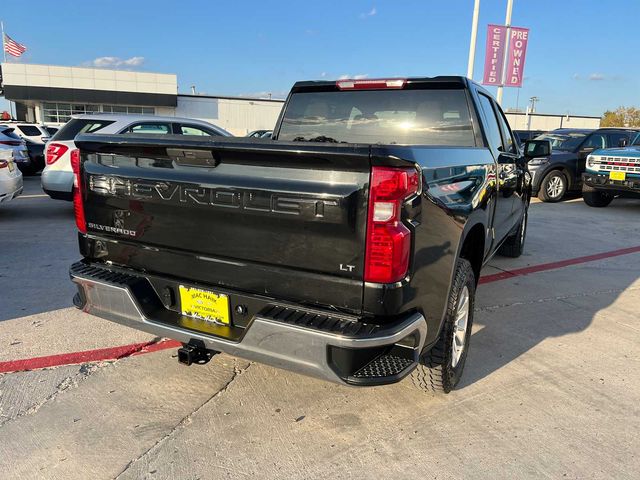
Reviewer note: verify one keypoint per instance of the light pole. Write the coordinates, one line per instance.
(531, 109)
(474, 35)
(507, 23)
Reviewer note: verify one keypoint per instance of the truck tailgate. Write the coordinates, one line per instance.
(278, 219)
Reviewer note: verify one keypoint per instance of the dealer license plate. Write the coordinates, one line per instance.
(617, 176)
(11, 166)
(208, 306)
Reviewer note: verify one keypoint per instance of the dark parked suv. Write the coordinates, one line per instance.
(553, 176)
(523, 135)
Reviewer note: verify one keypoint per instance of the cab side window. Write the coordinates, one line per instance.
(508, 143)
(492, 127)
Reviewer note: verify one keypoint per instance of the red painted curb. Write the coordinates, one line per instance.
(115, 353)
(554, 265)
(98, 355)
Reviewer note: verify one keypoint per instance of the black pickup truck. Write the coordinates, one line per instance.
(348, 248)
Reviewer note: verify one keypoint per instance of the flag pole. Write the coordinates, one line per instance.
(472, 44)
(4, 52)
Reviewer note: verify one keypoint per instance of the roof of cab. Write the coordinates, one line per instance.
(458, 81)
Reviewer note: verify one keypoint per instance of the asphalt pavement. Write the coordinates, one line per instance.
(551, 387)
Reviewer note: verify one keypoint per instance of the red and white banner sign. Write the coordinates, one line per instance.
(494, 55)
(517, 53)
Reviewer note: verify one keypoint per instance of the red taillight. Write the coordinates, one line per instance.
(13, 143)
(55, 151)
(78, 207)
(388, 239)
(372, 83)
(4, 163)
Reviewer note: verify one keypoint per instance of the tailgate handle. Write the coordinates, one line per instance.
(192, 158)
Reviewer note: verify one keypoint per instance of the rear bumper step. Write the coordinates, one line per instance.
(324, 346)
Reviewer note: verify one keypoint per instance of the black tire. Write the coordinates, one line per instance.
(436, 371)
(513, 246)
(596, 198)
(553, 187)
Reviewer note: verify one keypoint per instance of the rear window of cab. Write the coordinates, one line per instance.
(410, 117)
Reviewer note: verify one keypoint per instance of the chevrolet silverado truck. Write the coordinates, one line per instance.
(610, 173)
(347, 248)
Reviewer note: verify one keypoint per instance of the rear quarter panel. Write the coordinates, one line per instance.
(458, 192)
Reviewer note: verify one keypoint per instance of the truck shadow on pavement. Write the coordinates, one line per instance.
(516, 315)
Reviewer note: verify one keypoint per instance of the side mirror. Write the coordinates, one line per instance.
(537, 148)
(623, 142)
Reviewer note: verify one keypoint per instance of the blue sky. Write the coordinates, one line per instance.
(580, 59)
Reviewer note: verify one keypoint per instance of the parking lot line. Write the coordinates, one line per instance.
(88, 356)
(555, 265)
(115, 353)
(33, 196)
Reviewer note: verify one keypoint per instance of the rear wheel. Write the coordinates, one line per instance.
(441, 367)
(513, 246)
(553, 186)
(595, 198)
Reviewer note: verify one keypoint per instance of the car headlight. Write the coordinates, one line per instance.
(538, 161)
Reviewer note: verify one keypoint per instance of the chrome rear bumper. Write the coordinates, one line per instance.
(303, 349)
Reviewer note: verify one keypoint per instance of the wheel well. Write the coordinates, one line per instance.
(473, 248)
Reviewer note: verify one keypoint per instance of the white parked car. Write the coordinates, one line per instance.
(57, 176)
(17, 147)
(28, 131)
(10, 176)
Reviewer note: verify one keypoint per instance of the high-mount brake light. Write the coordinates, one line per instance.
(78, 207)
(372, 83)
(55, 151)
(388, 242)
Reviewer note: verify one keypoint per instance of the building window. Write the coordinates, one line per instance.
(61, 112)
(128, 109)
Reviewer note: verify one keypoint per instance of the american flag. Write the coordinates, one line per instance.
(12, 47)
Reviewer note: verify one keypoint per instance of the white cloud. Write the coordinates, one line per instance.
(115, 62)
(323, 74)
(370, 13)
(576, 76)
(360, 76)
(596, 76)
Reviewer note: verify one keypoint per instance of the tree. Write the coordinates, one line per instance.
(621, 117)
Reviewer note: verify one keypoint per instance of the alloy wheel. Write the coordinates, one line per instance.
(555, 186)
(460, 327)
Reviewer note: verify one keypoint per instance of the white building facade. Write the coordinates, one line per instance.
(50, 94)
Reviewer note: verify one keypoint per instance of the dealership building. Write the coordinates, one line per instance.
(50, 94)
